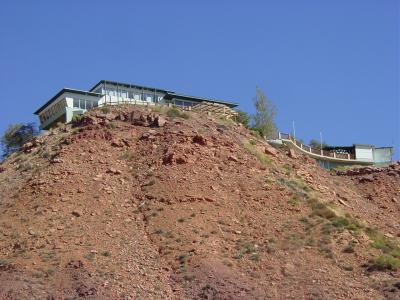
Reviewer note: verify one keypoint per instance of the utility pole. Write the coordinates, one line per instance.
(294, 131)
(320, 135)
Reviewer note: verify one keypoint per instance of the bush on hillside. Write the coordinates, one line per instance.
(17, 135)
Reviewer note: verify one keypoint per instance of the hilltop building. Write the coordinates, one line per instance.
(70, 102)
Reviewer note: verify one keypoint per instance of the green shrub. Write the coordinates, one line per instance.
(176, 113)
(89, 256)
(380, 241)
(383, 263)
(111, 125)
(17, 135)
(293, 201)
(264, 159)
(105, 109)
(288, 168)
(126, 156)
(243, 118)
(322, 210)
(77, 119)
(157, 108)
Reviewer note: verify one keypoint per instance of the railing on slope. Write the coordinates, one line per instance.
(320, 152)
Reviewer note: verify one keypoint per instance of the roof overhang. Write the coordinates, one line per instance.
(63, 91)
(170, 96)
(128, 85)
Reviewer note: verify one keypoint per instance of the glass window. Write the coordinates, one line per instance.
(76, 102)
(111, 92)
(148, 97)
(124, 93)
(82, 103)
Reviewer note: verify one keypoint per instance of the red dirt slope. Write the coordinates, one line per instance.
(133, 204)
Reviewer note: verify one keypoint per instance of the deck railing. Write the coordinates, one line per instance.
(320, 152)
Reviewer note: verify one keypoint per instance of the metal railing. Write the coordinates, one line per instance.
(320, 152)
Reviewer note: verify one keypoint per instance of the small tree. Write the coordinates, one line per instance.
(264, 118)
(16, 135)
(243, 118)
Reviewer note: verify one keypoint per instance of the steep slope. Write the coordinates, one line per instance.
(133, 204)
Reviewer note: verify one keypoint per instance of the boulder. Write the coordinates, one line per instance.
(138, 119)
(199, 139)
(56, 161)
(117, 143)
(27, 147)
(147, 136)
(160, 121)
(292, 153)
(270, 151)
(392, 173)
(172, 158)
(76, 213)
(150, 119)
(113, 171)
(366, 178)
(110, 116)
(233, 158)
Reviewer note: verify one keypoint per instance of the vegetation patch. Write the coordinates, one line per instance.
(90, 256)
(245, 247)
(380, 241)
(111, 125)
(176, 113)
(105, 109)
(126, 156)
(349, 247)
(383, 263)
(106, 253)
(288, 169)
(264, 159)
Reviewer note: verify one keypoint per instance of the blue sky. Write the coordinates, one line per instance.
(331, 66)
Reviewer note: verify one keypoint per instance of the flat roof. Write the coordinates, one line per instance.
(65, 90)
(128, 85)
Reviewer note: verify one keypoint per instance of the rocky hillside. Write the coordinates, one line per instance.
(130, 203)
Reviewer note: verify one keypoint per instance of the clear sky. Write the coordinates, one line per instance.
(331, 66)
